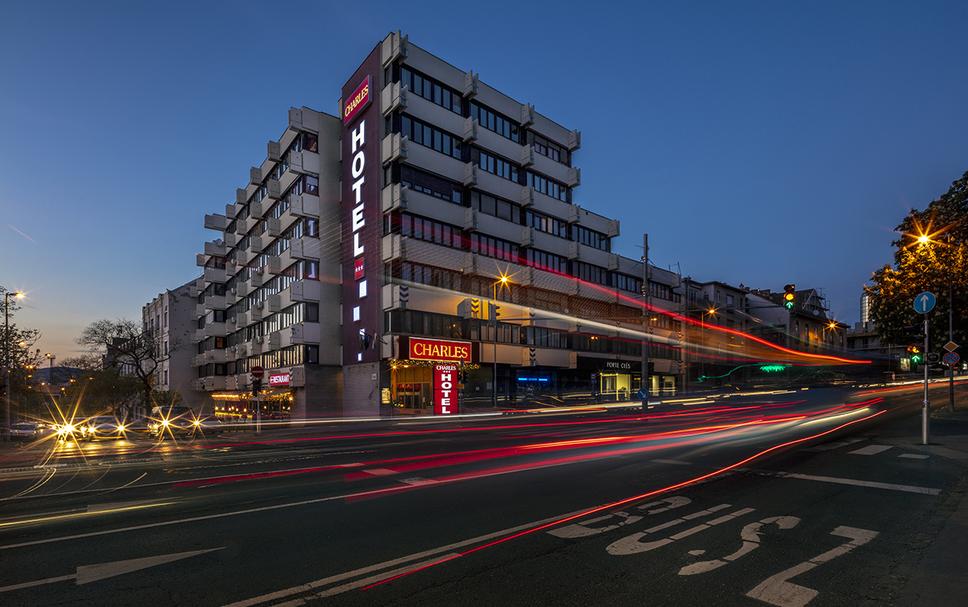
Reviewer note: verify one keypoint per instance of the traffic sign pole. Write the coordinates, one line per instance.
(926, 410)
(923, 304)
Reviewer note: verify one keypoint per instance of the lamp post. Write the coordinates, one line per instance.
(702, 336)
(926, 239)
(6, 356)
(50, 367)
(503, 281)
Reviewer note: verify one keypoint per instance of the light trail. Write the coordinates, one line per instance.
(625, 501)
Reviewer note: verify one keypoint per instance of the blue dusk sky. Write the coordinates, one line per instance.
(757, 142)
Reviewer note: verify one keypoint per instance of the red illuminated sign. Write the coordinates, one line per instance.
(439, 349)
(446, 395)
(279, 379)
(359, 269)
(357, 102)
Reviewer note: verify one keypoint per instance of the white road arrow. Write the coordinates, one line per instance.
(86, 574)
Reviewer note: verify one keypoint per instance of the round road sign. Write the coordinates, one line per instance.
(924, 302)
(951, 358)
(257, 372)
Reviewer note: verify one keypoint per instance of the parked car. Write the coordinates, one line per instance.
(25, 431)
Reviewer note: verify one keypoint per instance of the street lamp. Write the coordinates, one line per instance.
(6, 354)
(702, 336)
(50, 367)
(503, 282)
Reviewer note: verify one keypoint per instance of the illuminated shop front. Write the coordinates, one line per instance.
(412, 378)
(275, 402)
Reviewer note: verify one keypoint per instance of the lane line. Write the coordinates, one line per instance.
(674, 462)
(845, 481)
(870, 450)
(913, 456)
(315, 584)
(834, 445)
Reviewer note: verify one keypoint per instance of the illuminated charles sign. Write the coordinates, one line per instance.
(357, 102)
(439, 349)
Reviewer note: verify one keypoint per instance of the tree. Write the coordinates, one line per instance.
(931, 255)
(17, 346)
(124, 345)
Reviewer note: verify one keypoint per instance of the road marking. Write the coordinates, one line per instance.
(91, 511)
(751, 541)
(631, 544)
(326, 581)
(870, 450)
(85, 574)
(674, 462)
(844, 481)
(417, 481)
(585, 528)
(834, 445)
(913, 456)
(380, 471)
(776, 590)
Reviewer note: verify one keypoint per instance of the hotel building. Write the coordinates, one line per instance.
(435, 222)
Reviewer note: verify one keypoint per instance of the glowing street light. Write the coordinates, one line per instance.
(7, 362)
(503, 282)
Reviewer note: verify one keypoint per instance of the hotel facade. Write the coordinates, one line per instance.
(432, 229)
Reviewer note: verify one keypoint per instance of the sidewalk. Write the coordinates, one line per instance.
(941, 576)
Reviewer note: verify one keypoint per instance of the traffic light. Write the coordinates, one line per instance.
(256, 386)
(789, 295)
(915, 354)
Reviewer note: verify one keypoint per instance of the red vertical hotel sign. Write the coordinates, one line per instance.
(446, 399)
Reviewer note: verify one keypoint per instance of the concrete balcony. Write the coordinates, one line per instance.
(393, 97)
(594, 221)
(393, 147)
(304, 162)
(561, 173)
(201, 259)
(216, 329)
(255, 176)
(242, 226)
(258, 243)
(215, 248)
(214, 275)
(469, 131)
(397, 197)
(549, 206)
(231, 210)
(257, 277)
(298, 291)
(498, 186)
(231, 239)
(277, 226)
(274, 151)
(213, 383)
(393, 197)
(300, 333)
(215, 222)
(304, 205)
(200, 310)
(241, 197)
(273, 341)
(258, 209)
(304, 248)
(216, 302)
(274, 189)
(272, 304)
(198, 336)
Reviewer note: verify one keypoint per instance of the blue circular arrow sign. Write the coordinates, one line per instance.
(924, 302)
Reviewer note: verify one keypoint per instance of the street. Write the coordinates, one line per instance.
(797, 497)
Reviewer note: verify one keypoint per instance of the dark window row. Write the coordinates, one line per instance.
(547, 224)
(428, 230)
(493, 121)
(549, 187)
(628, 283)
(430, 89)
(433, 185)
(542, 260)
(496, 165)
(496, 207)
(591, 238)
(590, 273)
(497, 248)
(550, 150)
(430, 136)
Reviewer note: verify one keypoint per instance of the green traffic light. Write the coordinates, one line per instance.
(916, 358)
(788, 305)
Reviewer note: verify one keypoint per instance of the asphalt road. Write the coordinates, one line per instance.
(818, 497)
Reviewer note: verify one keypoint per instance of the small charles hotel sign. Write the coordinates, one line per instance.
(447, 356)
(439, 350)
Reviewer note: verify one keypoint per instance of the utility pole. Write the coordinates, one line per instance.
(6, 363)
(646, 314)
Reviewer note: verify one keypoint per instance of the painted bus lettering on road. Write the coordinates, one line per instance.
(751, 541)
(587, 528)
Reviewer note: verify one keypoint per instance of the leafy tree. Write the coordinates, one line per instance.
(18, 346)
(936, 263)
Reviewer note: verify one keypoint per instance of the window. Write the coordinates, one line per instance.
(496, 207)
(591, 273)
(547, 224)
(492, 121)
(430, 89)
(310, 184)
(541, 260)
(550, 150)
(494, 247)
(427, 275)
(549, 187)
(431, 137)
(431, 231)
(628, 283)
(661, 291)
(432, 185)
(496, 166)
(591, 238)
(306, 142)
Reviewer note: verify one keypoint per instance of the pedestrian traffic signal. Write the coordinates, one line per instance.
(789, 296)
